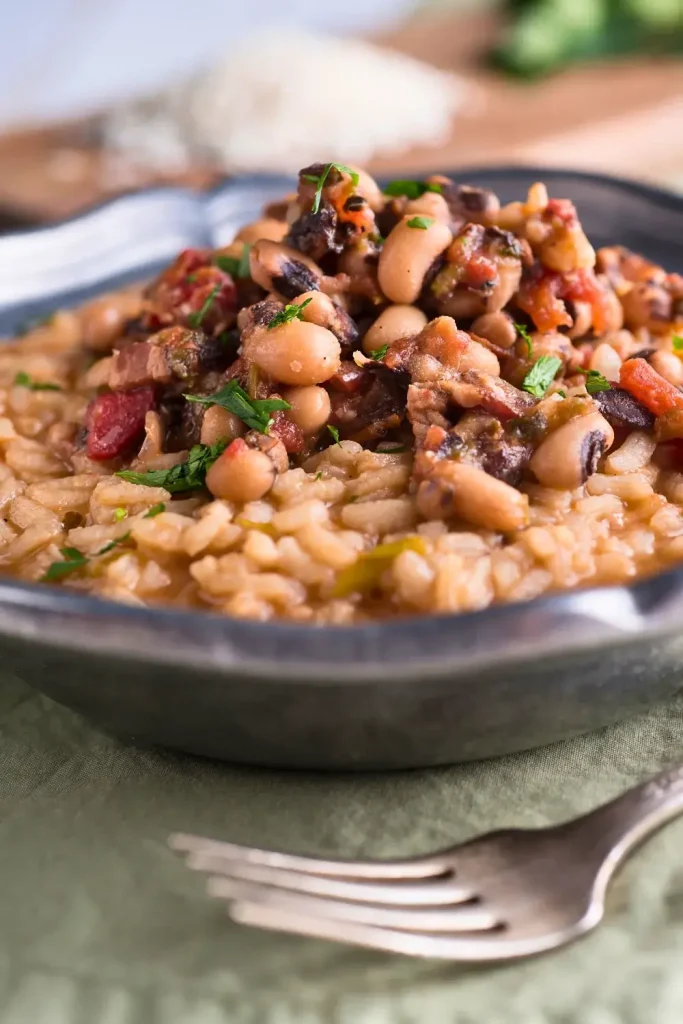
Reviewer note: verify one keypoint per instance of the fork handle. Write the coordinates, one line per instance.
(617, 827)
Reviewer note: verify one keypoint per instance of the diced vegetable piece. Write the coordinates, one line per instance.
(366, 571)
(116, 420)
(645, 384)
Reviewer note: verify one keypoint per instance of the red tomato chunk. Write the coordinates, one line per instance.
(116, 420)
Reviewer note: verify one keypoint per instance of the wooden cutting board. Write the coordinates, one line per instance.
(623, 117)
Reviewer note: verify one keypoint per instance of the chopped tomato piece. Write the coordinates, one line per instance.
(649, 387)
(116, 420)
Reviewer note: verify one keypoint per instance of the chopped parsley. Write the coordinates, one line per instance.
(155, 510)
(523, 332)
(195, 319)
(119, 514)
(24, 381)
(677, 343)
(286, 315)
(319, 475)
(562, 394)
(234, 266)
(320, 181)
(334, 432)
(252, 411)
(595, 382)
(186, 476)
(411, 189)
(113, 544)
(379, 353)
(541, 375)
(420, 222)
(75, 560)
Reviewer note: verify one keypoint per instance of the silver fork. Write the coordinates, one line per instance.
(504, 895)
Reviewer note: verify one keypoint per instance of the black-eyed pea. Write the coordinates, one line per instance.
(294, 353)
(498, 328)
(310, 407)
(431, 204)
(218, 424)
(570, 454)
(241, 473)
(398, 321)
(667, 366)
(407, 255)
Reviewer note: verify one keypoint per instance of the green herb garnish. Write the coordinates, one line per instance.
(420, 222)
(320, 181)
(195, 319)
(379, 353)
(286, 315)
(186, 476)
(410, 189)
(319, 475)
(155, 510)
(541, 375)
(119, 514)
(334, 432)
(24, 381)
(113, 544)
(562, 394)
(677, 343)
(252, 411)
(236, 267)
(73, 561)
(523, 332)
(595, 382)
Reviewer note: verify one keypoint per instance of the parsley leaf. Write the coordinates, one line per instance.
(595, 382)
(320, 181)
(410, 189)
(119, 514)
(319, 475)
(113, 544)
(155, 510)
(252, 411)
(195, 319)
(541, 375)
(523, 332)
(73, 561)
(334, 432)
(420, 222)
(379, 353)
(186, 476)
(24, 381)
(286, 315)
(236, 267)
(677, 343)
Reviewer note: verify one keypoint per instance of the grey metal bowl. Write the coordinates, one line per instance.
(414, 692)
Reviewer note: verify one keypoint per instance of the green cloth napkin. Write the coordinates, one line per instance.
(101, 924)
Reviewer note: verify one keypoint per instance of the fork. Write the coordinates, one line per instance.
(504, 895)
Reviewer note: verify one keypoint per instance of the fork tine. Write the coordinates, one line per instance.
(461, 918)
(418, 892)
(424, 867)
(477, 949)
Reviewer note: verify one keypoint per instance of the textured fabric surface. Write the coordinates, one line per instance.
(101, 924)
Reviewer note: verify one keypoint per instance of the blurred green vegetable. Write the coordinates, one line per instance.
(546, 34)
